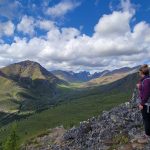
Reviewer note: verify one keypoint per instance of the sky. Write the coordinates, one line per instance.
(75, 35)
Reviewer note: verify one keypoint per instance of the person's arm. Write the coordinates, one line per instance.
(139, 88)
(145, 93)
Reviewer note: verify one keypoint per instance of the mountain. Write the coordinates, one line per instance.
(71, 76)
(85, 76)
(64, 75)
(30, 70)
(100, 74)
(123, 70)
(104, 80)
(27, 86)
(74, 107)
(120, 128)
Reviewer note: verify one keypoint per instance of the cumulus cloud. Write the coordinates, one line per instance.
(127, 6)
(26, 25)
(113, 43)
(46, 24)
(62, 8)
(7, 28)
(116, 24)
(9, 8)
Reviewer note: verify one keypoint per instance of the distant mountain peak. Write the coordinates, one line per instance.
(84, 71)
(83, 76)
(71, 72)
(29, 69)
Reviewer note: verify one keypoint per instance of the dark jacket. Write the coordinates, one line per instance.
(144, 90)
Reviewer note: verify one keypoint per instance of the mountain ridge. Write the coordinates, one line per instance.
(26, 85)
(85, 76)
(82, 103)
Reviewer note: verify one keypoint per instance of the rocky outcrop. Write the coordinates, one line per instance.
(119, 128)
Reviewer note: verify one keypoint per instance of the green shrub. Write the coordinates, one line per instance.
(11, 142)
(119, 139)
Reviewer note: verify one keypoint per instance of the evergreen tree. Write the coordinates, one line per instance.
(11, 143)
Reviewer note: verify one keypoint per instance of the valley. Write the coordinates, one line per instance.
(36, 109)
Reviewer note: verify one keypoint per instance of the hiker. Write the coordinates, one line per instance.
(144, 94)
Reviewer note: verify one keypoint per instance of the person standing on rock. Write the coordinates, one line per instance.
(144, 94)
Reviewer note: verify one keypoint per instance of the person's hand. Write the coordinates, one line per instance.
(140, 107)
(138, 85)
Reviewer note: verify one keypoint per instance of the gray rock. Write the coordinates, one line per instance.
(125, 119)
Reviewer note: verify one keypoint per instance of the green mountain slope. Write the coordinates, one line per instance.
(27, 86)
(75, 107)
(64, 75)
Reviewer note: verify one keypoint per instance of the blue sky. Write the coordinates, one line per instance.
(77, 35)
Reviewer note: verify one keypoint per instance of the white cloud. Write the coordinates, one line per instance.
(142, 30)
(116, 24)
(113, 43)
(26, 25)
(9, 8)
(62, 8)
(7, 28)
(127, 6)
(46, 24)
